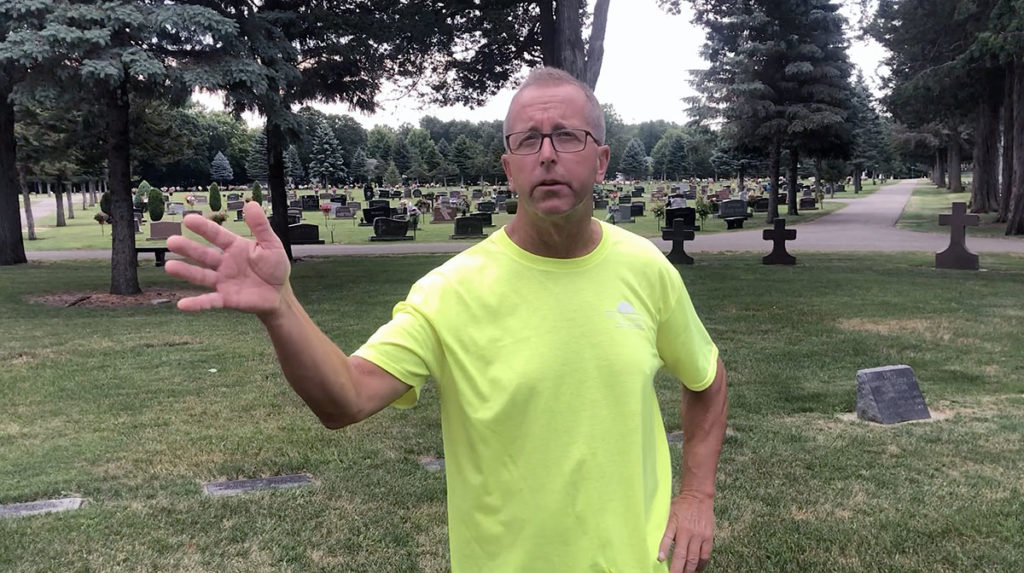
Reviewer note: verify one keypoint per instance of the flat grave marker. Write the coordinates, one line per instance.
(236, 487)
(889, 395)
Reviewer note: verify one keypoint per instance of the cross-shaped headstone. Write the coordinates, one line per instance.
(779, 235)
(956, 255)
(678, 234)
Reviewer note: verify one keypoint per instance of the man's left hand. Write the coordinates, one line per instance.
(691, 526)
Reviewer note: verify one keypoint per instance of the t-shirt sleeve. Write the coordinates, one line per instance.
(684, 344)
(407, 346)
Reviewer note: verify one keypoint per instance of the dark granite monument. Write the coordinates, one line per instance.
(678, 234)
(779, 235)
(486, 206)
(304, 234)
(889, 395)
(373, 212)
(687, 214)
(486, 219)
(620, 214)
(637, 209)
(468, 228)
(733, 212)
(808, 204)
(387, 229)
(761, 205)
(956, 255)
(443, 213)
(310, 203)
(379, 203)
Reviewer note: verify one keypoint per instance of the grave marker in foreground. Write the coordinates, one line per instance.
(889, 395)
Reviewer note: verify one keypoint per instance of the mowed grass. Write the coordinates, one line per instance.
(928, 202)
(83, 232)
(120, 406)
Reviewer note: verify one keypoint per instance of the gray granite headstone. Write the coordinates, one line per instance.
(236, 487)
(956, 255)
(37, 507)
(889, 395)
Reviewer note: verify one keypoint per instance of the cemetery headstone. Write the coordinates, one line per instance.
(956, 255)
(889, 395)
(625, 199)
(678, 234)
(468, 228)
(733, 212)
(477, 194)
(233, 197)
(636, 209)
(239, 215)
(723, 194)
(443, 213)
(373, 212)
(201, 200)
(304, 234)
(486, 219)
(621, 214)
(379, 203)
(417, 193)
(236, 487)
(486, 206)
(388, 229)
(779, 235)
(808, 204)
(175, 208)
(297, 203)
(340, 199)
(761, 205)
(162, 230)
(188, 212)
(310, 203)
(600, 204)
(356, 205)
(235, 205)
(38, 507)
(326, 196)
(344, 212)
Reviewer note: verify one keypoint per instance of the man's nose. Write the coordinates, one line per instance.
(547, 150)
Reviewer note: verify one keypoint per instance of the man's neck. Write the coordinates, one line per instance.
(570, 237)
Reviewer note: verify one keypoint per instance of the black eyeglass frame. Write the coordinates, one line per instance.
(548, 135)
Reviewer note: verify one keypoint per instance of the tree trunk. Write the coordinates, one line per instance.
(595, 47)
(1015, 224)
(275, 180)
(548, 50)
(70, 199)
(955, 185)
(26, 198)
(92, 193)
(124, 271)
(939, 174)
(569, 38)
(85, 196)
(1006, 178)
(58, 196)
(774, 158)
(857, 175)
(12, 247)
(792, 180)
(986, 161)
(817, 175)
(740, 175)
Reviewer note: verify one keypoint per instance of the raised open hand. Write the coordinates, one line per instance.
(247, 275)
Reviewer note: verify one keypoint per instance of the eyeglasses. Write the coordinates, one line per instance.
(562, 140)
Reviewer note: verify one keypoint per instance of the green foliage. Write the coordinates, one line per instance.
(215, 200)
(141, 195)
(220, 169)
(218, 218)
(511, 206)
(634, 160)
(326, 163)
(105, 203)
(155, 202)
(256, 160)
(293, 166)
(257, 192)
(702, 208)
(391, 176)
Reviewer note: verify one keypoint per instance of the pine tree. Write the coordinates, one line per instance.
(391, 176)
(634, 160)
(325, 161)
(215, 200)
(293, 166)
(358, 171)
(220, 169)
(256, 162)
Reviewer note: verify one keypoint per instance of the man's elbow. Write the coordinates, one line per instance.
(338, 420)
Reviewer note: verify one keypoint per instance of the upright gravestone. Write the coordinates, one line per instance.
(162, 230)
(374, 212)
(779, 235)
(310, 203)
(304, 234)
(468, 228)
(956, 255)
(678, 234)
(889, 395)
(443, 213)
(387, 229)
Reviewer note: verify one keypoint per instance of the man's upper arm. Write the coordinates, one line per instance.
(377, 388)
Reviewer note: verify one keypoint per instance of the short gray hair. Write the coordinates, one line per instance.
(548, 76)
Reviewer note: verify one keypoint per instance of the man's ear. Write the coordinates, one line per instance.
(508, 171)
(604, 154)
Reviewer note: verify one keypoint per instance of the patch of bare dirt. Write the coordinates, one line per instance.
(96, 299)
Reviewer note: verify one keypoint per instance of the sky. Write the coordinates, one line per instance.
(644, 74)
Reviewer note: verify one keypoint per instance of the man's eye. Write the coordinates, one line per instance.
(529, 138)
(566, 136)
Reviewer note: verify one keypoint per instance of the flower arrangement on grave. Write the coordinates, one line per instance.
(329, 224)
(219, 218)
(101, 218)
(191, 200)
(659, 213)
(703, 208)
(464, 205)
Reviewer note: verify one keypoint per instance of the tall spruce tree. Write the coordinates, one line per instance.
(293, 166)
(325, 162)
(634, 161)
(220, 169)
(256, 160)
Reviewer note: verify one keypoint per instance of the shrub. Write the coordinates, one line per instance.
(219, 218)
(257, 192)
(215, 204)
(105, 202)
(511, 206)
(156, 205)
(141, 195)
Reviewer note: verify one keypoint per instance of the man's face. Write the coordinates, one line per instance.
(552, 183)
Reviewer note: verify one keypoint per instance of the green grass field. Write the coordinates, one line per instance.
(83, 232)
(928, 202)
(120, 406)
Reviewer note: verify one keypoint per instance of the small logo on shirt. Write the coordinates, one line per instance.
(625, 316)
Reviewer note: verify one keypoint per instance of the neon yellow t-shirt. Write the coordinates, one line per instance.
(555, 449)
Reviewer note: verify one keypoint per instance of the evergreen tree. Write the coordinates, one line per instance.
(256, 161)
(401, 155)
(215, 200)
(325, 162)
(634, 160)
(669, 156)
(220, 169)
(257, 192)
(391, 176)
(464, 157)
(359, 171)
(293, 166)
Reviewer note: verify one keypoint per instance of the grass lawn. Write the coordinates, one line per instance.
(120, 406)
(928, 202)
(83, 232)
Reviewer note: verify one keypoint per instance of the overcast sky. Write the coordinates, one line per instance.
(644, 74)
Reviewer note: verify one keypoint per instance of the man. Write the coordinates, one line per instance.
(555, 450)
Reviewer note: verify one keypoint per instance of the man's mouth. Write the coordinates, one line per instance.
(550, 183)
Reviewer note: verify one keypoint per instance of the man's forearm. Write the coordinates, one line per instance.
(704, 420)
(316, 368)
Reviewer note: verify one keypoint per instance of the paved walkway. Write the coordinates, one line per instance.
(866, 224)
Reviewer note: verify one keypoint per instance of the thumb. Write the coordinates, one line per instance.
(666, 540)
(258, 223)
